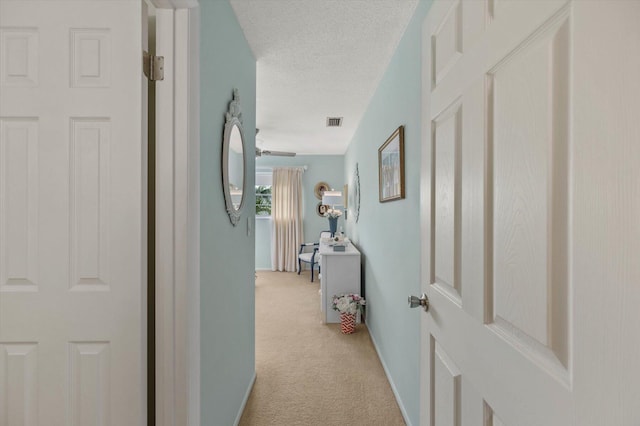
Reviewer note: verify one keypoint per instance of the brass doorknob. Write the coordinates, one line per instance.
(415, 301)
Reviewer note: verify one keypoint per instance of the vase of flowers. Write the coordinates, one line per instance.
(333, 215)
(348, 305)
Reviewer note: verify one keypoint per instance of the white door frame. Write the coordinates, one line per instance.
(178, 214)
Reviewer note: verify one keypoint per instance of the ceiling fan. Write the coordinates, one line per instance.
(266, 152)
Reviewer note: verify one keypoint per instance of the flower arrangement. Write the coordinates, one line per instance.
(347, 303)
(333, 213)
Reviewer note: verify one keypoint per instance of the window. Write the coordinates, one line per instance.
(263, 200)
(263, 193)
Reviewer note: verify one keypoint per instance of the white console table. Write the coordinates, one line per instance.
(340, 273)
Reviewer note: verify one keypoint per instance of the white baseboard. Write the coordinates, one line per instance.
(246, 398)
(263, 269)
(393, 385)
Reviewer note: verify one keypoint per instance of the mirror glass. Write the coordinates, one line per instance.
(233, 161)
(236, 167)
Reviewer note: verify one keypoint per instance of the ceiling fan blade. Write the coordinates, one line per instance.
(278, 153)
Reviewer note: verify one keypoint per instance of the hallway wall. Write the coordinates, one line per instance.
(388, 234)
(227, 252)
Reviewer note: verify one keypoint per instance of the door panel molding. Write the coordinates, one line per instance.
(19, 383)
(528, 129)
(19, 144)
(89, 189)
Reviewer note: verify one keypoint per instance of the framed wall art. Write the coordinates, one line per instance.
(321, 209)
(391, 167)
(319, 189)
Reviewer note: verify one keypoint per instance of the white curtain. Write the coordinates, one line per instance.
(286, 215)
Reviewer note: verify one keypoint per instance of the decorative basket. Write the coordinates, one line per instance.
(347, 323)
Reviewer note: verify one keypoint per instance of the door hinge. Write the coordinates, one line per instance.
(153, 66)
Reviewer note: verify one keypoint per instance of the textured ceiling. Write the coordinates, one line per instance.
(318, 59)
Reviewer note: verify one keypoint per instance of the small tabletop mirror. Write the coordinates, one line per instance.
(233, 160)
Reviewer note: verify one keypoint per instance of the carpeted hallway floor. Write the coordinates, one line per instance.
(308, 373)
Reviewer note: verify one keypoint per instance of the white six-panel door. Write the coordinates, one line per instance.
(72, 228)
(530, 204)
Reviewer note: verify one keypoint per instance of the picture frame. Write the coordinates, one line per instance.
(345, 197)
(319, 189)
(321, 209)
(391, 167)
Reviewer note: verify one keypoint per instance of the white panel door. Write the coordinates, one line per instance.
(72, 233)
(530, 200)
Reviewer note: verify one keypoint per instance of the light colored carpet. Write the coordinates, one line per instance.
(308, 373)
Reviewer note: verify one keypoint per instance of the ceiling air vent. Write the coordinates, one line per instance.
(334, 121)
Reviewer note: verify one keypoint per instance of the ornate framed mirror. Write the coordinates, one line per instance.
(234, 168)
(354, 195)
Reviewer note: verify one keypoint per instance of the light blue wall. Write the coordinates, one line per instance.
(227, 252)
(321, 168)
(263, 244)
(388, 234)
